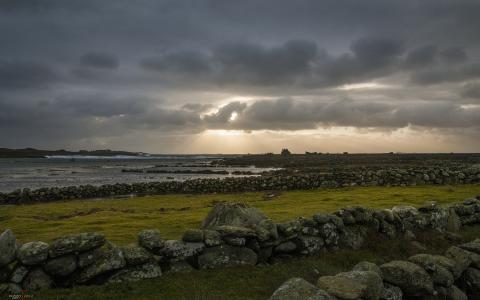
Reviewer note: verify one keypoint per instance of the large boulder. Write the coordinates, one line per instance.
(18, 274)
(135, 273)
(241, 215)
(111, 258)
(37, 279)
(151, 240)
(226, 256)
(33, 253)
(76, 243)
(8, 247)
(299, 289)
(61, 266)
(353, 237)
(342, 287)
(411, 278)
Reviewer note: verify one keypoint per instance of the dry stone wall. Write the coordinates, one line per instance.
(361, 177)
(234, 234)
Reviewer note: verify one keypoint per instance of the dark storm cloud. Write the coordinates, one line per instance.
(99, 60)
(68, 68)
(25, 74)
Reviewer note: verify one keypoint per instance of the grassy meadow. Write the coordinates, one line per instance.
(121, 219)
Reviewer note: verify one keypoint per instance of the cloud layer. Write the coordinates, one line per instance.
(105, 73)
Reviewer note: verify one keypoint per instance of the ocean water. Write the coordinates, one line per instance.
(59, 171)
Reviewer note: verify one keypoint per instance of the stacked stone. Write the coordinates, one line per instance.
(456, 276)
(387, 177)
(232, 234)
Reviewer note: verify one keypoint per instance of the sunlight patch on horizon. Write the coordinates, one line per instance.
(363, 85)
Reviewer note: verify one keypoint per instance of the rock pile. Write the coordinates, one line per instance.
(386, 177)
(234, 234)
(453, 276)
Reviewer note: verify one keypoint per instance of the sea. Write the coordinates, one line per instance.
(61, 171)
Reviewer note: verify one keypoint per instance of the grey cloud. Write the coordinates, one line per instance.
(288, 114)
(443, 74)
(424, 56)
(197, 107)
(187, 62)
(472, 91)
(257, 65)
(26, 74)
(454, 55)
(100, 60)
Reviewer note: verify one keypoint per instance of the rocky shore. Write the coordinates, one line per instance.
(234, 234)
(360, 177)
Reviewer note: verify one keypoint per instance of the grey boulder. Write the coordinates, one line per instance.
(411, 278)
(61, 266)
(36, 280)
(151, 240)
(135, 255)
(174, 248)
(76, 243)
(8, 247)
(110, 259)
(342, 287)
(33, 253)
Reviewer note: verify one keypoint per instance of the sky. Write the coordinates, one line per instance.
(225, 76)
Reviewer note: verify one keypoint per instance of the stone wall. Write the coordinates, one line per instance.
(234, 234)
(361, 177)
(452, 276)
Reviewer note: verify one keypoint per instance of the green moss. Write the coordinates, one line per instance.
(121, 219)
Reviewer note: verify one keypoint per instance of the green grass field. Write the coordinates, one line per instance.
(121, 219)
